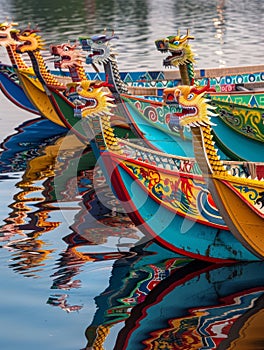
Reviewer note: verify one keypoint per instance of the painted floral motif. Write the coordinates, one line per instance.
(186, 195)
(253, 196)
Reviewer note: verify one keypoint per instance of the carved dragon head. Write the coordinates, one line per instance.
(90, 97)
(7, 32)
(179, 48)
(193, 107)
(29, 40)
(99, 48)
(67, 55)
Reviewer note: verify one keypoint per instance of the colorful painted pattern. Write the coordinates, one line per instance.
(158, 79)
(186, 195)
(246, 120)
(252, 195)
(162, 116)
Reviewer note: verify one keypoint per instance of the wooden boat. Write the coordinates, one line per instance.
(154, 122)
(197, 309)
(239, 104)
(27, 79)
(168, 199)
(9, 82)
(240, 200)
(11, 88)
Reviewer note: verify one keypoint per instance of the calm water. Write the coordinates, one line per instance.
(75, 272)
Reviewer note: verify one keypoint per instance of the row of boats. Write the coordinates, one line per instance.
(181, 149)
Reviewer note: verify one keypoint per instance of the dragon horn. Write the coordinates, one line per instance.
(188, 34)
(103, 83)
(200, 90)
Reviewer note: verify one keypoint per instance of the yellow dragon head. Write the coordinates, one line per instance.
(7, 32)
(29, 40)
(193, 106)
(179, 48)
(90, 97)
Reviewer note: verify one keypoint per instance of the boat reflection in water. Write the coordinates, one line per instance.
(155, 299)
(39, 157)
(195, 306)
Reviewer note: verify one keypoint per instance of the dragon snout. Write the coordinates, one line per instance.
(53, 50)
(171, 95)
(161, 45)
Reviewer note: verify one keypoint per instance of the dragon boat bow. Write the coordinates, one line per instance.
(165, 196)
(239, 199)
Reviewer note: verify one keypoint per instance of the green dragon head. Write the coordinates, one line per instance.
(179, 48)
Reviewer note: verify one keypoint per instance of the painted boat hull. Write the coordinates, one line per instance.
(79, 125)
(13, 90)
(176, 232)
(242, 112)
(155, 123)
(242, 207)
(39, 97)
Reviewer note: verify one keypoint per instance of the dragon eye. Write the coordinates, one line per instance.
(66, 48)
(3, 28)
(176, 42)
(190, 96)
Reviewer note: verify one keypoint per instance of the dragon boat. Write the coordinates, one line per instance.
(239, 200)
(164, 195)
(9, 82)
(17, 41)
(239, 101)
(150, 120)
(70, 102)
(153, 121)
